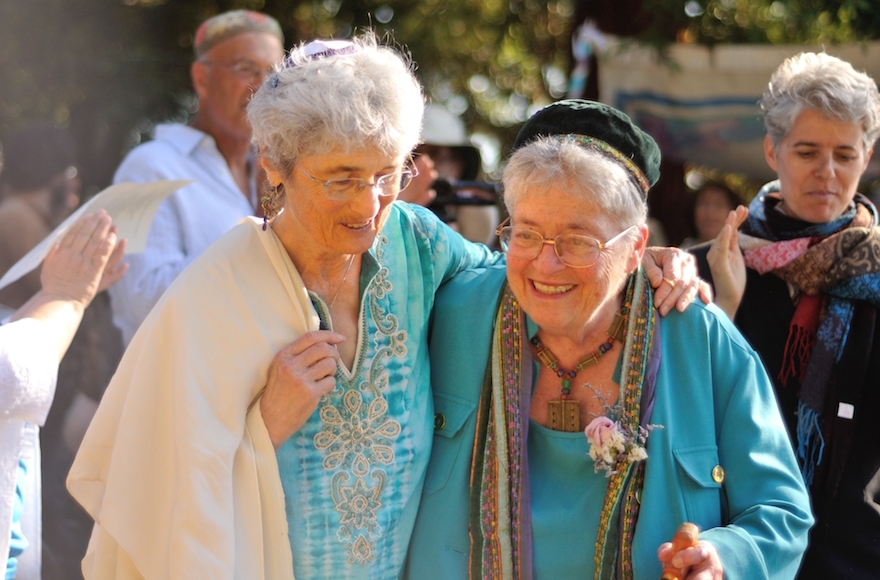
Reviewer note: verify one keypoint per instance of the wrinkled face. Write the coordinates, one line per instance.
(819, 164)
(227, 76)
(559, 298)
(330, 226)
(710, 211)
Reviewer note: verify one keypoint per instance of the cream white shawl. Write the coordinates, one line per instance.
(177, 467)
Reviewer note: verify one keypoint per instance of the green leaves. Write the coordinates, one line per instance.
(110, 69)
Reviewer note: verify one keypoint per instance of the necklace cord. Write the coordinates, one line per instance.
(341, 284)
(615, 332)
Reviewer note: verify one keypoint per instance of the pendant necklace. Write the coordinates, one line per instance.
(341, 284)
(564, 414)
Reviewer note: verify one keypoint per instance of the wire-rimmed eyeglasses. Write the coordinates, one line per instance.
(245, 70)
(345, 188)
(574, 250)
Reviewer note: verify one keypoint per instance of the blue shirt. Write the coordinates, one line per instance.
(366, 449)
(185, 224)
(716, 407)
(18, 543)
(563, 483)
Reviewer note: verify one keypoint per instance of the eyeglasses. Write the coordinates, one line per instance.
(573, 250)
(346, 188)
(246, 71)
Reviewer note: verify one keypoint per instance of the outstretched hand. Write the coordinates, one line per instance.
(85, 261)
(115, 268)
(726, 263)
(672, 273)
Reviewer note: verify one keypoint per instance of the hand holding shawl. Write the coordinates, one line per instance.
(177, 468)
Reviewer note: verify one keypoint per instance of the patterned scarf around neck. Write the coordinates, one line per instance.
(500, 508)
(832, 264)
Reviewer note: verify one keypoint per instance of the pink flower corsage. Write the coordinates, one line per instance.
(612, 445)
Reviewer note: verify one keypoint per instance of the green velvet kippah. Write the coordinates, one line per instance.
(600, 127)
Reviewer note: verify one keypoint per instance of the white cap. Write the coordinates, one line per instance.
(442, 127)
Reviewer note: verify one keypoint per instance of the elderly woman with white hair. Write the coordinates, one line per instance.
(208, 437)
(273, 415)
(577, 429)
(801, 280)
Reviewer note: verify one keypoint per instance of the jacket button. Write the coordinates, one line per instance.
(718, 474)
(439, 421)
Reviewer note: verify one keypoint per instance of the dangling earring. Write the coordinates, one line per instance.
(271, 203)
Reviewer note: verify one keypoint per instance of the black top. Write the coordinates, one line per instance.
(845, 542)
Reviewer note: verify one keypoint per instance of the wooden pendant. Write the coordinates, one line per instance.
(564, 415)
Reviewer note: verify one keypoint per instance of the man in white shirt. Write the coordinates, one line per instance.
(234, 53)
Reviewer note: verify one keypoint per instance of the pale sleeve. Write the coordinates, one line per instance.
(28, 372)
(151, 272)
(164, 257)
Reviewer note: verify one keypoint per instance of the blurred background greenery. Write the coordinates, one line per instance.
(110, 69)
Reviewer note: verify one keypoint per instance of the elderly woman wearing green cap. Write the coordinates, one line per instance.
(575, 430)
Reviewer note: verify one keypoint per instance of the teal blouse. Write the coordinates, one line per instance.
(17, 543)
(562, 484)
(353, 474)
(566, 494)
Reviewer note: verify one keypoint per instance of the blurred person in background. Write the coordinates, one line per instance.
(85, 262)
(40, 179)
(234, 52)
(40, 189)
(445, 157)
(713, 202)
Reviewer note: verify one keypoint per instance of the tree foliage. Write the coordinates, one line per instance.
(110, 69)
(777, 21)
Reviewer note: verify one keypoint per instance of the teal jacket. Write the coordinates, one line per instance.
(717, 408)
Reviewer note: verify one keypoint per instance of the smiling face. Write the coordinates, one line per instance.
(572, 302)
(819, 164)
(313, 224)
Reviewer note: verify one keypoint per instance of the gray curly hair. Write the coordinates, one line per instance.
(345, 96)
(823, 83)
(586, 174)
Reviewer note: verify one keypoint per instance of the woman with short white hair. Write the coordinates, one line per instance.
(579, 428)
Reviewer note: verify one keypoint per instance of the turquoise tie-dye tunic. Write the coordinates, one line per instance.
(353, 474)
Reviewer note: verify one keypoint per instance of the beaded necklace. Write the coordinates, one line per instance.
(564, 414)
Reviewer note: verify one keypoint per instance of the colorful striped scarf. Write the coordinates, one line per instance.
(500, 509)
(832, 265)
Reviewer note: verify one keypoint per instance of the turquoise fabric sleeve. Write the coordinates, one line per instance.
(18, 543)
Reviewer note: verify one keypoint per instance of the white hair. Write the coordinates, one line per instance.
(310, 105)
(823, 83)
(586, 174)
